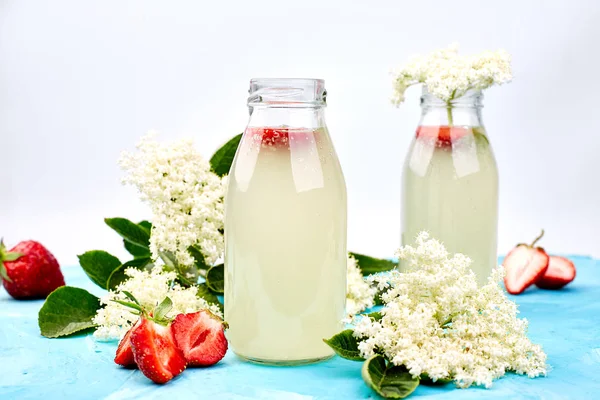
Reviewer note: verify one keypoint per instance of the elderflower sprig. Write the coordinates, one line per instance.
(185, 196)
(149, 288)
(449, 75)
(436, 322)
(360, 293)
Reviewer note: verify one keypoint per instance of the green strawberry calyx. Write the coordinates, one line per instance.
(158, 315)
(6, 256)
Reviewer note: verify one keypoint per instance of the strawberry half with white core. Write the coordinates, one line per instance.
(524, 265)
(560, 271)
(201, 337)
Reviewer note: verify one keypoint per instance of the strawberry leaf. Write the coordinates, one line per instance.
(198, 258)
(221, 161)
(12, 256)
(130, 231)
(370, 265)
(345, 345)
(118, 275)
(388, 380)
(205, 293)
(99, 265)
(67, 310)
(129, 304)
(215, 278)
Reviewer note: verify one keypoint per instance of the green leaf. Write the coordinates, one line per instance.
(12, 256)
(370, 265)
(67, 310)
(215, 278)
(186, 275)
(169, 259)
(375, 315)
(387, 380)
(161, 310)
(221, 161)
(99, 265)
(146, 225)
(345, 345)
(427, 381)
(135, 250)
(198, 257)
(205, 293)
(131, 232)
(118, 275)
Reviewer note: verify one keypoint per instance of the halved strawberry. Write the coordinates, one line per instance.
(524, 265)
(155, 352)
(124, 354)
(201, 337)
(560, 271)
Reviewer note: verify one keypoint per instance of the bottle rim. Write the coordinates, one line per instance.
(287, 92)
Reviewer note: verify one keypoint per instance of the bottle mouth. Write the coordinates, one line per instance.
(287, 92)
(470, 98)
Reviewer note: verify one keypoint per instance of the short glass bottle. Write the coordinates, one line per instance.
(450, 181)
(285, 228)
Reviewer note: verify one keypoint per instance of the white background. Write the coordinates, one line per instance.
(80, 81)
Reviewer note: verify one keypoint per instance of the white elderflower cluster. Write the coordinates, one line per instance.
(360, 294)
(437, 321)
(149, 288)
(448, 75)
(185, 196)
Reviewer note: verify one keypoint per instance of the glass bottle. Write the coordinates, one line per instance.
(450, 181)
(285, 228)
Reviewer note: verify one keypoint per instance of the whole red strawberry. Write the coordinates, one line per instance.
(29, 271)
(201, 337)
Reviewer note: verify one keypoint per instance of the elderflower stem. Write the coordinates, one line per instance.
(449, 111)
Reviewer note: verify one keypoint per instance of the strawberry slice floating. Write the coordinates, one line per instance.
(201, 337)
(155, 352)
(524, 265)
(560, 272)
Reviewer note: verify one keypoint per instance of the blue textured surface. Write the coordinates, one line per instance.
(566, 323)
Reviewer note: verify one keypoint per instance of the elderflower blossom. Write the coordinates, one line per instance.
(448, 75)
(149, 288)
(360, 294)
(437, 321)
(185, 196)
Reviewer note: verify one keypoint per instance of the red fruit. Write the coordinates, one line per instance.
(201, 337)
(279, 137)
(560, 271)
(124, 354)
(155, 352)
(29, 271)
(524, 265)
(444, 136)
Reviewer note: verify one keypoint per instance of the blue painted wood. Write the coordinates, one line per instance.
(566, 323)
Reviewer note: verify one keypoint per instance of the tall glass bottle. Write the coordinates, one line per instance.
(450, 181)
(285, 228)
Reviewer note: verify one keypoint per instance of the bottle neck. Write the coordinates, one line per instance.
(305, 117)
(462, 111)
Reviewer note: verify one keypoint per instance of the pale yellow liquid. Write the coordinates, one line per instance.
(285, 260)
(452, 192)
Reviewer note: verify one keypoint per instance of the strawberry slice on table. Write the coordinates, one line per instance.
(201, 337)
(124, 354)
(29, 271)
(155, 352)
(560, 272)
(524, 265)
